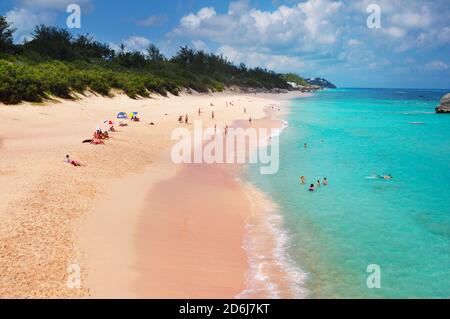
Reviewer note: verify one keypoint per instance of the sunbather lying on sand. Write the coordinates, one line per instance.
(71, 162)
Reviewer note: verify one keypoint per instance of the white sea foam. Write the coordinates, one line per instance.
(272, 272)
(418, 112)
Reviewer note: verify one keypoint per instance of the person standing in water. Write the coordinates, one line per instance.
(302, 180)
(325, 181)
(306, 145)
(318, 183)
(312, 188)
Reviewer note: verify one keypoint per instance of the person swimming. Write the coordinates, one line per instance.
(312, 188)
(377, 176)
(325, 181)
(302, 180)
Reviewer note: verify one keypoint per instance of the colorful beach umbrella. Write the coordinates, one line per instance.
(122, 115)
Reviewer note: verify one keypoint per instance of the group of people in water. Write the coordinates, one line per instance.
(313, 187)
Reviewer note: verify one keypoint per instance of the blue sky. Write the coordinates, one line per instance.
(326, 38)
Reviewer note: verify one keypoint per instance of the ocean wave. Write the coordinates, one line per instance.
(272, 272)
(418, 112)
(265, 142)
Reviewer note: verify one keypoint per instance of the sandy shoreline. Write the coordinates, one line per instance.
(111, 216)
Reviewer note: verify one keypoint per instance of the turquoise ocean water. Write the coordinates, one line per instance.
(402, 225)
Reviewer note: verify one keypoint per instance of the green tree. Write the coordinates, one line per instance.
(6, 36)
(51, 42)
(154, 54)
(85, 46)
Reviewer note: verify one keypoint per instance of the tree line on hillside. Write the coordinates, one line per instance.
(55, 63)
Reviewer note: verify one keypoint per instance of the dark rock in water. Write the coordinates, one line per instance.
(444, 107)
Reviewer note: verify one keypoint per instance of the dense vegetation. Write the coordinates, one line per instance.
(54, 63)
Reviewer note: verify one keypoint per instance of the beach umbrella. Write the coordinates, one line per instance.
(109, 122)
(122, 115)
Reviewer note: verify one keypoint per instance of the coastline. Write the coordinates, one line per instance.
(105, 239)
(272, 273)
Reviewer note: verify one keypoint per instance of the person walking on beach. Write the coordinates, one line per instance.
(325, 181)
(199, 112)
(302, 180)
(226, 130)
(186, 119)
(213, 115)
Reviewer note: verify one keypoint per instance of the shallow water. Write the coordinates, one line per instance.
(402, 225)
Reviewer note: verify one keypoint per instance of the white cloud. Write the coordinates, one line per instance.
(394, 32)
(153, 20)
(132, 44)
(238, 7)
(30, 13)
(421, 19)
(302, 26)
(136, 43)
(193, 21)
(436, 65)
(353, 42)
(251, 58)
(200, 45)
(51, 4)
(25, 20)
